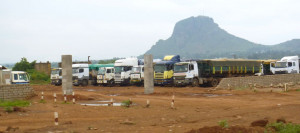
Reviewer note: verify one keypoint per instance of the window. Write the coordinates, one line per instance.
(112, 70)
(294, 64)
(108, 71)
(143, 69)
(191, 67)
(15, 76)
(81, 70)
(290, 64)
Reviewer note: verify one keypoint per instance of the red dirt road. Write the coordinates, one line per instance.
(196, 107)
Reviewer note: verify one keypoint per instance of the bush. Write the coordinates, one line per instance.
(283, 128)
(38, 77)
(223, 124)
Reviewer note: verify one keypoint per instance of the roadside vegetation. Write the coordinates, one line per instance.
(281, 127)
(35, 76)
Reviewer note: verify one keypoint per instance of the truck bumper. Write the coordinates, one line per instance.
(56, 82)
(182, 82)
(163, 81)
(76, 82)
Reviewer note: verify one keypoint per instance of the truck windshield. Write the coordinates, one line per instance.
(119, 69)
(75, 70)
(181, 68)
(160, 68)
(55, 72)
(23, 76)
(136, 69)
(280, 65)
(101, 70)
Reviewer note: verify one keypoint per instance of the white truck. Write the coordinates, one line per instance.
(80, 74)
(106, 76)
(185, 73)
(288, 64)
(137, 75)
(123, 69)
(56, 76)
(13, 77)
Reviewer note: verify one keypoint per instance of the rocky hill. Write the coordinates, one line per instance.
(200, 37)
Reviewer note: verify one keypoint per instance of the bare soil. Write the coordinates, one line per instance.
(197, 109)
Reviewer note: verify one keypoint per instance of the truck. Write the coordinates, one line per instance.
(286, 65)
(56, 76)
(13, 77)
(137, 75)
(123, 69)
(80, 73)
(211, 71)
(163, 70)
(106, 74)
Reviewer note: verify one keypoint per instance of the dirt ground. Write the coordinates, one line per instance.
(195, 107)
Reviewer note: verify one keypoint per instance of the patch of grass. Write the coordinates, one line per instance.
(16, 103)
(283, 127)
(9, 109)
(298, 90)
(42, 101)
(223, 124)
(65, 102)
(126, 103)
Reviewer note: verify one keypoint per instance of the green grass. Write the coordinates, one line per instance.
(223, 124)
(126, 103)
(16, 103)
(298, 90)
(283, 127)
(42, 101)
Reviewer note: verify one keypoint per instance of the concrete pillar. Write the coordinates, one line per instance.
(66, 74)
(148, 74)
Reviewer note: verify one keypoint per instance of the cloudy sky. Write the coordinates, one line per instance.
(43, 30)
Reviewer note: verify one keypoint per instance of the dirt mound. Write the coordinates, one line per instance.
(232, 129)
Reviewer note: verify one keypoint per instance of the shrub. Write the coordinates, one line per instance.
(223, 124)
(283, 128)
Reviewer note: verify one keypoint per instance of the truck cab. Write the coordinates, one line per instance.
(185, 73)
(137, 75)
(288, 64)
(123, 69)
(80, 74)
(19, 77)
(163, 70)
(56, 76)
(105, 76)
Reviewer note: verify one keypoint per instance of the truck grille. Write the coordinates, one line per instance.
(159, 76)
(280, 72)
(179, 78)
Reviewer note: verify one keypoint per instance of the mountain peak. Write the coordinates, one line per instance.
(193, 25)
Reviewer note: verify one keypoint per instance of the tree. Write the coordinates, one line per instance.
(24, 65)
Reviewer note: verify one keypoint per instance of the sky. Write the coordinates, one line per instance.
(43, 30)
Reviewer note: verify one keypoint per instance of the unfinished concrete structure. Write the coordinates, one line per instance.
(148, 74)
(67, 74)
(43, 67)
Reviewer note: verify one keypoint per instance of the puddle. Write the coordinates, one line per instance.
(103, 104)
(91, 90)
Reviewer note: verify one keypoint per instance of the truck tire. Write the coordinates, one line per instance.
(84, 82)
(214, 82)
(195, 82)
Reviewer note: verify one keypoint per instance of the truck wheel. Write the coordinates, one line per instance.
(195, 82)
(84, 83)
(214, 82)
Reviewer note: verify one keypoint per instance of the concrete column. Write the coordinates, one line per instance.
(148, 74)
(66, 63)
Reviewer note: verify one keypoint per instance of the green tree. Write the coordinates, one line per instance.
(24, 65)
